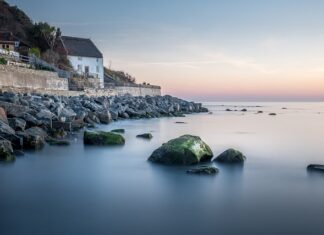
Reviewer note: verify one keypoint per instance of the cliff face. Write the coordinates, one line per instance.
(15, 20)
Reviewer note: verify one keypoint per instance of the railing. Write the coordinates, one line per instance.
(33, 62)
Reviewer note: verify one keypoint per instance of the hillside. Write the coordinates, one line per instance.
(15, 20)
(118, 77)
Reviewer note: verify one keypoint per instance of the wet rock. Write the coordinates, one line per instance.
(102, 138)
(145, 136)
(34, 138)
(18, 124)
(231, 156)
(3, 115)
(203, 170)
(6, 151)
(5, 129)
(315, 167)
(260, 112)
(185, 150)
(272, 114)
(104, 117)
(228, 110)
(180, 122)
(118, 130)
(244, 110)
(52, 141)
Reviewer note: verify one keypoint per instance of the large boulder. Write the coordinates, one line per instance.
(34, 138)
(18, 124)
(102, 138)
(104, 116)
(6, 151)
(185, 150)
(231, 156)
(3, 115)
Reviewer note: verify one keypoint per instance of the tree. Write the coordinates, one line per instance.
(44, 35)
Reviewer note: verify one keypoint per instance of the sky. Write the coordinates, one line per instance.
(208, 50)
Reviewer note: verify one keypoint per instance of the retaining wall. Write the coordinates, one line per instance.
(17, 77)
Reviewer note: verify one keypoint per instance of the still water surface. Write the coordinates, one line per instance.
(114, 190)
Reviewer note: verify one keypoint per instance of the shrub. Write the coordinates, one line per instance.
(3, 61)
(35, 51)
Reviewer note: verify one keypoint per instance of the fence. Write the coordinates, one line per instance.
(32, 62)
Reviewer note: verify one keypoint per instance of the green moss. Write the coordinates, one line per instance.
(5, 156)
(103, 138)
(52, 141)
(185, 150)
(145, 136)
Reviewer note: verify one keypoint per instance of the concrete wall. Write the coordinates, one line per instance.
(12, 76)
(77, 61)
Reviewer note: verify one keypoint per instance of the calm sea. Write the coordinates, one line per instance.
(114, 190)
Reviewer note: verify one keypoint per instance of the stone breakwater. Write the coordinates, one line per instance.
(28, 121)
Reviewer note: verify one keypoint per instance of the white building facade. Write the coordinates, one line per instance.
(84, 57)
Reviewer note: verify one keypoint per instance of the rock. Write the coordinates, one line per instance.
(5, 129)
(30, 120)
(210, 113)
(118, 130)
(180, 122)
(272, 114)
(67, 115)
(45, 114)
(104, 117)
(18, 124)
(244, 110)
(6, 151)
(145, 136)
(3, 115)
(14, 110)
(52, 141)
(102, 138)
(185, 150)
(231, 156)
(203, 170)
(316, 167)
(260, 112)
(228, 110)
(34, 138)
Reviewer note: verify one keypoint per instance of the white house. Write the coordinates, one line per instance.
(84, 57)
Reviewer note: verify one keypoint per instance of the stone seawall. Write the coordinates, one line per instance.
(23, 80)
(17, 77)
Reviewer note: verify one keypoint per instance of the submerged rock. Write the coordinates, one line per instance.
(102, 138)
(118, 130)
(6, 151)
(52, 141)
(244, 110)
(231, 156)
(180, 122)
(145, 136)
(316, 167)
(185, 150)
(272, 114)
(203, 170)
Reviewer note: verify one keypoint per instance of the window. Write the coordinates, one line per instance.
(79, 67)
(79, 58)
(97, 60)
(97, 68)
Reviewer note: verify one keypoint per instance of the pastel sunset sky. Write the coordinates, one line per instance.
(203, 50)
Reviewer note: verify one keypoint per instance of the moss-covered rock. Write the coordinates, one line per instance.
(52, 141)
(203, 170)
(6, 151)
(231, 156)
(145, 136)
(118, 130)
(185, 150)
(102, 138)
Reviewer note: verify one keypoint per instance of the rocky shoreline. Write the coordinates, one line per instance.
(28, 121)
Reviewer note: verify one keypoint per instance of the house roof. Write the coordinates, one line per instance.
(80, 47)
